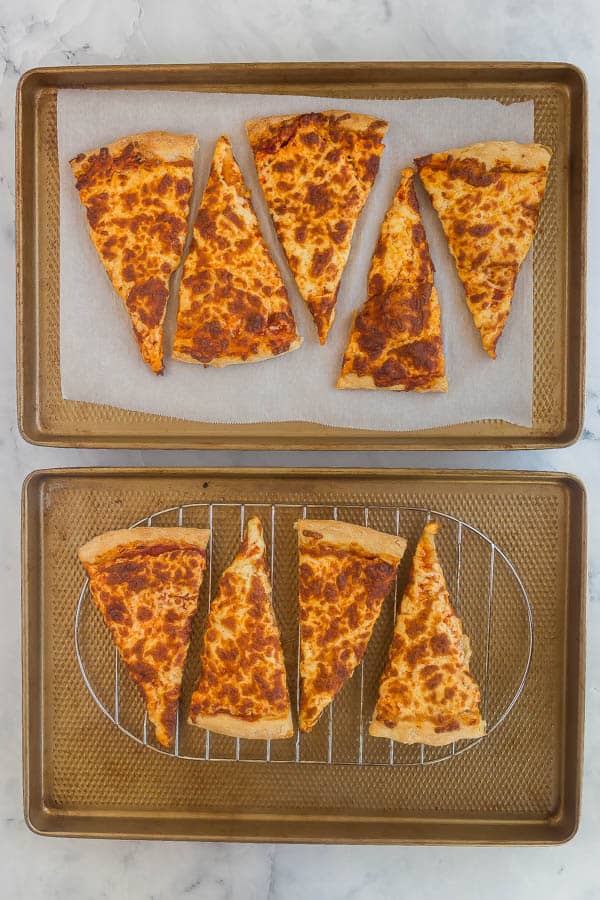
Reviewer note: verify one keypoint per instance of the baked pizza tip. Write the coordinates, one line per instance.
(395, 341)
(427, 694)
(345, 573)
(145, 582)
(242, 690)
(488, 199)
(136, 192)
(233, 304)
(316, 171)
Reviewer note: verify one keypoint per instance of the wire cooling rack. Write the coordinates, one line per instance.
(484, 586)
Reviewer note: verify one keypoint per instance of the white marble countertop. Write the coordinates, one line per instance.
(59, 32)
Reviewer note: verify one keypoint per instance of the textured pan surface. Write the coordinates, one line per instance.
(521, 784)
(558, 92)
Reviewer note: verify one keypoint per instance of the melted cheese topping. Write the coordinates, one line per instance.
(316, 171)
(427, 693)
(233, 305)
(148, 595)
(137, 194)
(395, 342)
(488, 198)
(243, 675)
(342, 589)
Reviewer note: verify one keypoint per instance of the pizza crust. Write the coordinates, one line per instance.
(352, 381)
(518, 157)
(346, 536)
(259, 129)
(156, 144)
(359, 122)
(236, 360)
(259, 730)
(91, 552)
(424, 733)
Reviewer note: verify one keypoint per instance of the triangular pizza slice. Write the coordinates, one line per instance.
(427, 694)
(145, 582)
(396, 341)
(488, 198)
(316, 171)
(136, 192)
(242, 689)
(345, 573)
(233, 305)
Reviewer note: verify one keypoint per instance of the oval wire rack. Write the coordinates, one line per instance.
(296, 753)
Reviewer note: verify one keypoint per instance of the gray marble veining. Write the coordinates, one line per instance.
(58, 32)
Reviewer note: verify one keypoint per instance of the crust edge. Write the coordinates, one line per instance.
(96, 548)
(524, 157)
(258, 129)
(165, 145)
(232, 726)
(345, 535)
(351, 381)
(406, 733)
(220, 363)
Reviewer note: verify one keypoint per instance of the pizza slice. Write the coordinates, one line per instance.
(242, 689)
(396, 341)
(233, 305)
(136, 192)
(427, 694)
(316, 172)
(145, 582)
(345, 573)
(488, 198)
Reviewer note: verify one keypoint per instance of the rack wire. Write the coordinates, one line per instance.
(301, 749)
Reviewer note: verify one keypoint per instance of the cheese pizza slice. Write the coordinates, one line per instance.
(136, 192)
(242, 689)
(316, 171)
(488, 198)
(396, 342)
(145, 582)
(233, 305)
(345, 574)
(427, 694)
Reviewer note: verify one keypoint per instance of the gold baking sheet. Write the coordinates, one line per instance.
(559, 95)
(521, 784)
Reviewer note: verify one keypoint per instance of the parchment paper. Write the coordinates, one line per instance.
(100, 362)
